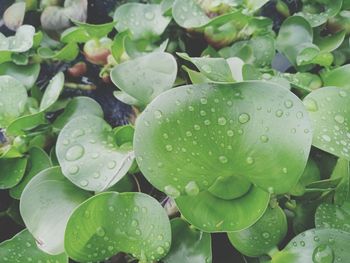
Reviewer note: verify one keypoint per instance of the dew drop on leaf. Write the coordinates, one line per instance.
(311, 105)
(244, 118)
(323, 254)
(74, 153)
(192, 188)
(171, 191)
(339, 119)
(223, 159)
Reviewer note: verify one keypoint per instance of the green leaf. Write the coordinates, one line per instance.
(76, 107)
(82, 32)
(294, 36)
(315, 245)
(67, 53)
(89, 156)
(22, 248)
(327, 109)
(38, 160)
(146, 77)
(118, 46)
(331, 8)
(188, 245)
(338, 77)
(46, 204)
(217, 70)
(22, 41)
(12, 101)
(311, 174)
(27, 75)
(12, 171)
(205, 125)
(110, 222)
(333, 216)
(57, 18)
(212, 214)
(263, 236)
(144, 21)
(331, 42)
(25, 123)
(52, 91)
(342, 170)
(189, 14)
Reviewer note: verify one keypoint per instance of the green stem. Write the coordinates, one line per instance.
(72, 85)
(273, 251)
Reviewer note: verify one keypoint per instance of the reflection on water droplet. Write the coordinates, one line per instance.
(339, 118)
(149, 15)
(168, 147)
(323, 254)
(223, 159)
(326, 138)
(250, 160)
(84, 183)
(288, 104)
(192, 188)
(230, 133)
(279, 113)
(74, 153)
(100, 231)
(222, 121)
(160, 250)
(204, 101)
(111, 164)
(264, 138)
(73, 169)
(244, 118)
(266, 235)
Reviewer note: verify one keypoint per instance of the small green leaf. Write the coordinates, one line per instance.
(52, 92)
(146, 77)
(144, 21)
(22, 248)
(89, 156)
(25, 123)
(212, 214)
(12, 100)
(263, 236)
(76, 107)
(38, 160)
(188, 245)
(331, 42)
(67, 53)
(46, 204)
(12, 171)
(327, 109)
(338, 77)
(110, 222)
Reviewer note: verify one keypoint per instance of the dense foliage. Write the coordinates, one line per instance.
(151, 131)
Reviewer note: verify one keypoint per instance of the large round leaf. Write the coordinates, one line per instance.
(316, 245)
(213, 214)
(188, 245)
(146, 77)
(329, 111)
(27, 74)
(46, 204)
(110, 222)
(89, 155)
(145, 21)
(12, 100)
(22, 248)
(338, 77)
(263, 236)
(12, 171)
(191, 135)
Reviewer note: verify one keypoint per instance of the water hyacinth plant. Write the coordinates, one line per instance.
(174, 131)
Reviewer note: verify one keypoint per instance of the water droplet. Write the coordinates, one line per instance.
(342, 93)
(323, 254)
(230, 133)
(134, 223)
(311, 105)
(197, 127)
(264, 138)
(223, 159)
(77, 133)
(73, 169)
(288, 104)
(204, 101)
(299, 114)
(171, 191)
(158, 114)
(95, 155)
(192, 188)
(284, 170)
(326, 138)
(279, 113)
(111, 164)
(74, 153)
(188, 134)
(244, 118)
(222, 121)
(250, 160)
(160, 250)
(84, 183)
(339, 118)
(100, 231)
(169, 148)
(207, 122)
(111, 208)
(266, 235)
(96, 175)
(149, 15)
